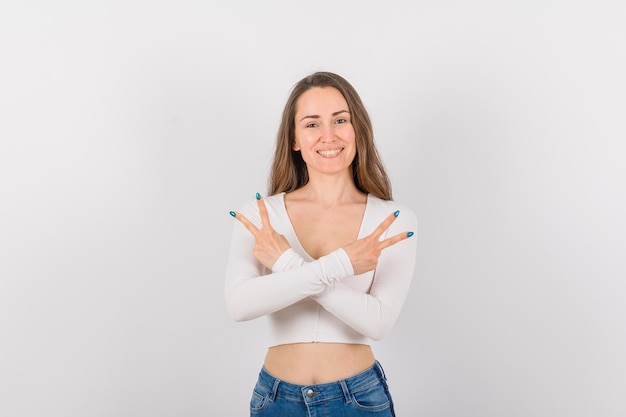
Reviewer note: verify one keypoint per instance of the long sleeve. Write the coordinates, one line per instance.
(374, 313)
(252, 291)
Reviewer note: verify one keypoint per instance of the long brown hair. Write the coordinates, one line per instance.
(289, 172)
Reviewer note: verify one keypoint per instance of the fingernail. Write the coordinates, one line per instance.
(396, 213)
(232, 213)
(258, 196)
(409, 234)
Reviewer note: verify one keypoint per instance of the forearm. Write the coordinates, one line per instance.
(369, 315)
(251, 294)
(373, 312)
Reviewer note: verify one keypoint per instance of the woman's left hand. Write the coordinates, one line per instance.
(269, 244)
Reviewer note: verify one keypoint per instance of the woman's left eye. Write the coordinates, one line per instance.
(340, 121)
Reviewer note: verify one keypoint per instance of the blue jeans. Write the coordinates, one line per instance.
(364, 394)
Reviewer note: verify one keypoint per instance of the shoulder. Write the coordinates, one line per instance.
(386, 206)
(276, 200)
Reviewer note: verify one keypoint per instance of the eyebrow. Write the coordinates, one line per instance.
(317, 116)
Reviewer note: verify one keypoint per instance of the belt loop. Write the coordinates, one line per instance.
(381, 371)
(346, 391)
(274, 389)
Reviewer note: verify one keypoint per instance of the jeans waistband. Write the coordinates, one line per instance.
(321, 392)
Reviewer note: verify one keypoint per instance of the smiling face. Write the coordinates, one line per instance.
(324, 134)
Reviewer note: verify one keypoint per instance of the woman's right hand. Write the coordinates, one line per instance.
(268, 244)
(364, 252)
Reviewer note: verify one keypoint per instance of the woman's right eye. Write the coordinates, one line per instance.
(311, 125)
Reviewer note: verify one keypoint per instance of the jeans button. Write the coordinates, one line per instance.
(310, 393)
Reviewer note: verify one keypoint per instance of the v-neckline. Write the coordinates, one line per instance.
(293, 229)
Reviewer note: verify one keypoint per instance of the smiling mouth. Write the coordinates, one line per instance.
(330, 153)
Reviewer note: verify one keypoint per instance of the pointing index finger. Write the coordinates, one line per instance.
(265, 219)
(384, 225)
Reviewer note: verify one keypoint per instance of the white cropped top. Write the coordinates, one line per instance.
(308, 300)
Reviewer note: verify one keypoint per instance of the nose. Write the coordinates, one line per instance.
(327, 133)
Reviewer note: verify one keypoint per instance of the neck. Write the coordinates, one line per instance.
(331, 191)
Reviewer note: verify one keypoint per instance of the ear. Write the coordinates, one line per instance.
(295, 146)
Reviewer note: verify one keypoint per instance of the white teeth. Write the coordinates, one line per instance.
(332, 152)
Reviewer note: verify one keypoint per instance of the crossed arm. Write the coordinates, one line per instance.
(252, 292)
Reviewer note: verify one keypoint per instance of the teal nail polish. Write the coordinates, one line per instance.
(409, 234)
(258, 196)
(232, 213)
(396, 213)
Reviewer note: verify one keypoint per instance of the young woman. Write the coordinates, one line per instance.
(326, 256)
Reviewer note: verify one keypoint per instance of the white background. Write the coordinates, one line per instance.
(129, 130)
